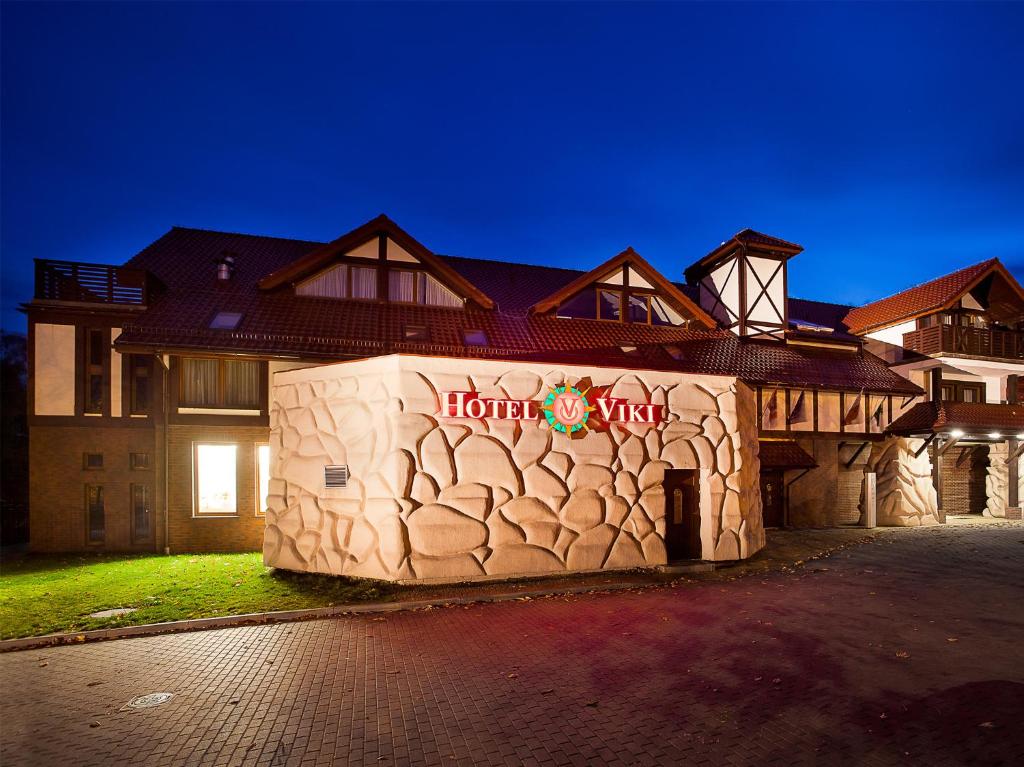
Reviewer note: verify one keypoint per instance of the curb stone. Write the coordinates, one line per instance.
(290, 616)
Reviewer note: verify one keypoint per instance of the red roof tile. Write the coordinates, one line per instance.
(275, 322)
(918, 300)
(981, 418)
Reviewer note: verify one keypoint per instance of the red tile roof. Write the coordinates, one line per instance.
(918, 300)
(977, 417)
(747, 237)
(784, 454)
(275, 322)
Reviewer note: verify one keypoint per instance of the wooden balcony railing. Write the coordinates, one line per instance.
(91, 283)
(971, 342)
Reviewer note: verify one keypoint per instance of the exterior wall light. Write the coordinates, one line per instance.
(994, 434)
(957, 433)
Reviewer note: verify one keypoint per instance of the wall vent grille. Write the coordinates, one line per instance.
(335, 476)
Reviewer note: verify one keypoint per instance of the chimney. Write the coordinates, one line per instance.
(225, 266)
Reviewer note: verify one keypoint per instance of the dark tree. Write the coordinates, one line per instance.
(13, 439)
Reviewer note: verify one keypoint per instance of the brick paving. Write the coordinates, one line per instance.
(908, 650)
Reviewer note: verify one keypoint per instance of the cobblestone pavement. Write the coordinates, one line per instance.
(908, 650)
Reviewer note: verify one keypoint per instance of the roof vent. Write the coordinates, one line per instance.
(225, 266)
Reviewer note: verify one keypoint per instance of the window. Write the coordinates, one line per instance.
(262, 477)
(214, 480)
(216, 383)
(141, 367)
(663, 314)
(138, 460)
(225, 321)
(142, 529)
(609, 305)
(364, 281)
(474, 337)
(639, 308)
(94, 516)
(417, 287)
(332, 283)
(94, 347)
(416, 333)
(92, 461)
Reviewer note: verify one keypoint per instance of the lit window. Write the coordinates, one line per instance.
(220, 383)
(364, 282)
(214, 480)
(262, 477)
(416, 287)
(475, 337)
(331, 283)
(226, 321)
(416, 333)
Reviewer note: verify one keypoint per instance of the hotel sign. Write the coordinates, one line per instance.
(571, 409)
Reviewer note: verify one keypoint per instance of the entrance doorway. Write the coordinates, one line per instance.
(772, 498)
(682, 514)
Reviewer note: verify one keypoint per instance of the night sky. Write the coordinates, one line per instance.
(887, 139)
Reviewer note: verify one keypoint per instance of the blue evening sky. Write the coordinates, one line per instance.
(886, 139)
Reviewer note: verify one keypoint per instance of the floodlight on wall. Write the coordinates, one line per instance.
(994, 435)
(957, 433)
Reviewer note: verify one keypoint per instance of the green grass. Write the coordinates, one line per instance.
(45, 594)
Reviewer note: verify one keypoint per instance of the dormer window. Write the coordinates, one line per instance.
(410, 286)
(341, 281)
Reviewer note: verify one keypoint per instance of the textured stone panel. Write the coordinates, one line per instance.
(434, 497)
(905, 495)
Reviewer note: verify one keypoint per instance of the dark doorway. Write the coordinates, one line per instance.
(772, 499)
(682, 514)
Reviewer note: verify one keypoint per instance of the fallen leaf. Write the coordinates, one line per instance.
(952, 639)
(902, 654)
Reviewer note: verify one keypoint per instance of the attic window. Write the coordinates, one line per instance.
(416, 333)
(674, 351)
(225, 320)
(474, 337)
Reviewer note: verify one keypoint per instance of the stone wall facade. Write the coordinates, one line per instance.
(829, 494)
(997, 480)
(905, 495)
(432, 497)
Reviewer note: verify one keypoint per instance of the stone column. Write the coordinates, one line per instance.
(905, 493)
(996, 483)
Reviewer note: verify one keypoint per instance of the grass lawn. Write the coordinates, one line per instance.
(45, 594)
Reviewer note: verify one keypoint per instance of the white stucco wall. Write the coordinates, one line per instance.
(435, 497)
(893, 335)
(54, 373)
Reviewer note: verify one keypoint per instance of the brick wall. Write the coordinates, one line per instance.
(963, 486)
(188, 532)
(57, 481)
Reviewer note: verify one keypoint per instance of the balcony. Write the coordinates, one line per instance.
(69, 281)
(967, 342)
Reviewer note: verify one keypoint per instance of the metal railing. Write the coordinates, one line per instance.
(91, 283)
(973, 342)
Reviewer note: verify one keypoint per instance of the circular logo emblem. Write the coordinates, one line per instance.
(566, 409)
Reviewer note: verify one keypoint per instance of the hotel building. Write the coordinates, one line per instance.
(368, 407)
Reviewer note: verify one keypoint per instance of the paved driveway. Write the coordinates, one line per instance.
(908, 650)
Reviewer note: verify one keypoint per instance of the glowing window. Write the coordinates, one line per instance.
(214, 480)
(262, 477)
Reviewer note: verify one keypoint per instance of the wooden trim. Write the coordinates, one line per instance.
(379, 227)
(631, 258)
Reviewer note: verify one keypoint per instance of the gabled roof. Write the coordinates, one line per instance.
(636, 261)
(323, 255)
(749, 239)
(978, 417)
(933, 296)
